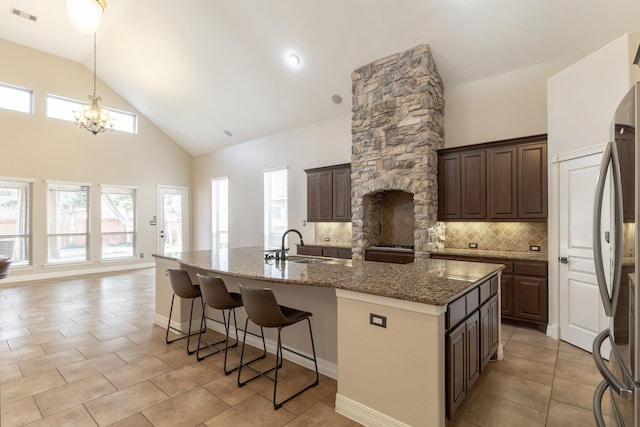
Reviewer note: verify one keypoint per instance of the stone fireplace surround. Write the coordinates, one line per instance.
(397, 128)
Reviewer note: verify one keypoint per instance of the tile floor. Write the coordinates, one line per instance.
(84, 351)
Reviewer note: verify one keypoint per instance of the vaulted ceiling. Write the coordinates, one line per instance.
(198, 68)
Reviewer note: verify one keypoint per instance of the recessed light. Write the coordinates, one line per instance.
(336, 99)
(228, 133)
(293, 60)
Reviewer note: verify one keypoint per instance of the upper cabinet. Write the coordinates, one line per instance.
(499, 181)
(329, 194)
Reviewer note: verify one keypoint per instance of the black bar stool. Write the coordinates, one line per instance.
(216, 295)
(182, 287)
(263, 310)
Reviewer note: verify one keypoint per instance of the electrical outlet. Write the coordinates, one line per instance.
(378, 320)
(473, 245)
(327, 239)
(141, 255)
(534, 248)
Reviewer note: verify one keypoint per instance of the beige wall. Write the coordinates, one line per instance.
(39, 148)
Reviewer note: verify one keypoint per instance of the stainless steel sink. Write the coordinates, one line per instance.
(303, 260)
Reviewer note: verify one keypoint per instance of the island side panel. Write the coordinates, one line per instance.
(181, 308)
(399, 370)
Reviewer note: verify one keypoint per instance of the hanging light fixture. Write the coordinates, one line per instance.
(85, 15)
(92, 117)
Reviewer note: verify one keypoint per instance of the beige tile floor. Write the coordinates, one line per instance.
(84, 351)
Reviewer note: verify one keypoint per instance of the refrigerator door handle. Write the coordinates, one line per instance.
(616, 385)
(609, 301)
(597, 402)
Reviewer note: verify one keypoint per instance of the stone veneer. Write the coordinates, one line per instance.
(397, 126)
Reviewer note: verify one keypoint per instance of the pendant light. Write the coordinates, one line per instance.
(85, 15)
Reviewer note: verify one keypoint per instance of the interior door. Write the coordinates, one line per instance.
(582, 315)
(172, 220)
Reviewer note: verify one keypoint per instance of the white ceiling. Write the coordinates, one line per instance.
(199, 67)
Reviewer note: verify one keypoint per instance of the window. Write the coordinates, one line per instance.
(275, 207)
(118, 222)
(63, 108)
(67, 222)
(16, 98)
(220, 212)
(16, 200)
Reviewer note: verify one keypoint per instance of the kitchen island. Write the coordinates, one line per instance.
(379, 328)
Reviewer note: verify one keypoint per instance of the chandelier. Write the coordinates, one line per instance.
(92, 117)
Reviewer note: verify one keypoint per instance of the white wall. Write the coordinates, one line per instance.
(321, 144)
(505, 106)
(39, 148)
(581, 102)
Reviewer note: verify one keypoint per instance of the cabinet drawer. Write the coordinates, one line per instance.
(531, 269)
(508, 265)
(302, 250)
(330, 252)
(344, 253)
(473, 300)
(485, 291)
(456, 311)
(315, 251)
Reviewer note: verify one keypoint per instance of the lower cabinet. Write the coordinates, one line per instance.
(471, 340)
(326, 251)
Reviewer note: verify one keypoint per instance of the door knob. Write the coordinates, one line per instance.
(563, 260)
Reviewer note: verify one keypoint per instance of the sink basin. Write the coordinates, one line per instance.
(303, 260)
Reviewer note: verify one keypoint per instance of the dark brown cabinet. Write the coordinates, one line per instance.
(324, 251)
(462, 186)
(497, 181)
(523, 288)
(532, 181)
(329, 194)
(471, 340)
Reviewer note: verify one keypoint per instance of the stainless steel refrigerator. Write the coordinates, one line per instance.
(617, 284)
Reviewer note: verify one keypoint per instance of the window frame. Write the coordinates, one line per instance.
(219, 231)
(26, 221)
(273, 234)
(58, 185)
(119, 189)
(20, 89)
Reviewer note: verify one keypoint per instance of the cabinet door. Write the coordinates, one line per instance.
(456, 366)
(449, 186)
(473, 188)
(532, 181)
(485, 334)
(495, 324)
(313, 196)
(342, 194)
(330, 252)
(506, 295)
(473, 349)
(344, 253)
(530, 298)
(502, 188)
(325, 190)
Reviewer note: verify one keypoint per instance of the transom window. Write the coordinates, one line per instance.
(16, 98)
(63, 108)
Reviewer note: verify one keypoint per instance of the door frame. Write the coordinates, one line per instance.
(553, 230)
(161, 189)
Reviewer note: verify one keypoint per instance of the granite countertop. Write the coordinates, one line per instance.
(517, 256)
(427, 281)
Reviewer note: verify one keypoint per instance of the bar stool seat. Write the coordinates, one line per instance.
(216, 296)
(185, 289)
(263, 309)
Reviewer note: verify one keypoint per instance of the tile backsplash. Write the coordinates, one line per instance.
(496, 236)
(339, 233)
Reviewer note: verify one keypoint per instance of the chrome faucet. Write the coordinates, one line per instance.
(283, 253)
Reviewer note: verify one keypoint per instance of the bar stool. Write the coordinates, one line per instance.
(182, 287)
(263, 310)
(216, 296)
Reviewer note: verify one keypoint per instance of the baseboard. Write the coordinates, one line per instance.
(69, 273)
(363, 414)
(325, 367)
(553, 331)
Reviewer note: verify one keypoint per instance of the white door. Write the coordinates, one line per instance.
(582, 315)
(172, 219)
